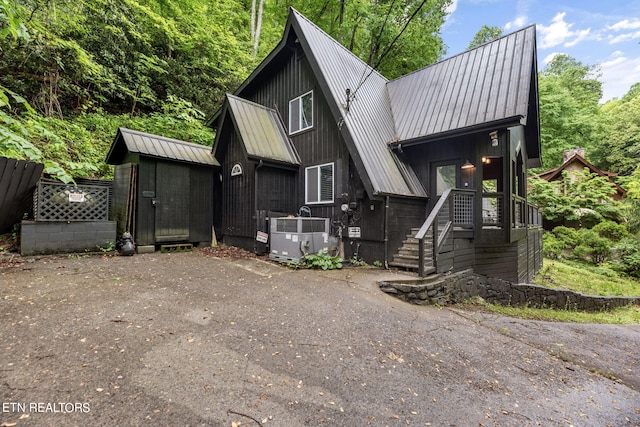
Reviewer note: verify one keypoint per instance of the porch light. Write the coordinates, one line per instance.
(467, 165)
(494, 138)
(486, 160)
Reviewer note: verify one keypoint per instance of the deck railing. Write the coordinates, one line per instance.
(455, 209)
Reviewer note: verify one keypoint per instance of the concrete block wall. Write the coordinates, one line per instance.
(43, 237)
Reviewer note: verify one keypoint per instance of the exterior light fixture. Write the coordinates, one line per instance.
(494, 138)
(467, 165)
(486, 160)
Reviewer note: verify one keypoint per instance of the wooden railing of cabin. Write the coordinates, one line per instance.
(455, 209)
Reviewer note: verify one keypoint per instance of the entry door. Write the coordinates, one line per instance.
(172, 202)
(444, 175)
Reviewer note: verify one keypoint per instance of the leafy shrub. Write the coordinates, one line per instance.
(552, 247)
(592, 246)
(567, 236)
(321, 260)
(628, 256)
(611, 230)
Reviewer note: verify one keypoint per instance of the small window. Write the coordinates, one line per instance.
(319, 184)
(301, 113)
(236, 169)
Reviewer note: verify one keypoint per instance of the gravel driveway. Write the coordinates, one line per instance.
(187, 339)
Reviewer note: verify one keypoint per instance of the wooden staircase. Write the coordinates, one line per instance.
(407, 255)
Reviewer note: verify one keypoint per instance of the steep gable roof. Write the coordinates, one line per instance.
(367, 124)
(494, 85)
(159, 147)
(261, 132)
(487, 85)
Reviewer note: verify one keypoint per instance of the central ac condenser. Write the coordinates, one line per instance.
(293, 238)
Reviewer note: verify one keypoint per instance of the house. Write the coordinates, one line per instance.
(426, 171)
(573, 161)
(163, 189)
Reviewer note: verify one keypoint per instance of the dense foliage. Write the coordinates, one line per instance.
(71, 72)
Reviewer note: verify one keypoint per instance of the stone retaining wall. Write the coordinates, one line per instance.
(457, 287)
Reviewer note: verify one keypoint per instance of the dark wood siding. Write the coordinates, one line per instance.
(172, 201)
(403, 215)
(275, 189)
(145, 218)
(201, 209)
(499, 261)
(237, 192)
(18, 180)
(321, 144)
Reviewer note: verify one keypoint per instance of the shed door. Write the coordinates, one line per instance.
(172, 202)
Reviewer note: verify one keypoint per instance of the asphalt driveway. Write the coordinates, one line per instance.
(185, 339)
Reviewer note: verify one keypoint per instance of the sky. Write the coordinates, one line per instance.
(595, 32)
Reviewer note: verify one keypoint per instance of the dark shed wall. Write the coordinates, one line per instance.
(201, 206)
(145, 212)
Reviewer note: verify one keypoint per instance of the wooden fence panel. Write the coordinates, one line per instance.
(18, 179)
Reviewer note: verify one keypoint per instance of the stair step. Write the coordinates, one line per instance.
(407, 265)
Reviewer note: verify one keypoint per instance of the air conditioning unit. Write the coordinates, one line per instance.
(293, 238)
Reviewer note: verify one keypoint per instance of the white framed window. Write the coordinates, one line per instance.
(319, 184)
(301, 113)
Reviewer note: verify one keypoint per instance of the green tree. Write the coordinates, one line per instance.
(484, 35)
(621, 139)
(582, 200)
(570, 116)
(394, 37)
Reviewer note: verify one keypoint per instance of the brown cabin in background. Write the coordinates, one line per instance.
(573, 161)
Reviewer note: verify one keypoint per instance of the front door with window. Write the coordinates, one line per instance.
(444, 176)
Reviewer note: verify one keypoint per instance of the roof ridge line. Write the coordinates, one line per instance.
(300, 15)
(450, 58)
(165, 138)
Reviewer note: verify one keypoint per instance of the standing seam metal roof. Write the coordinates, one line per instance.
(261, 131)
(162, 147)
(487, 84)
(369, 119)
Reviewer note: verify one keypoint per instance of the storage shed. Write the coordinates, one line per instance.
(163, 189)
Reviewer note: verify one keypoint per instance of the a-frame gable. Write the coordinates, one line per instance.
(358, 100)
(366, 124)
(493, 85)
(261, 133)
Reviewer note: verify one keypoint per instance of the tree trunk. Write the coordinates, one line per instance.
(258, 27)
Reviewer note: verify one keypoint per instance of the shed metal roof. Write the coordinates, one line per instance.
(261, 131)
(368, 124)
(488, 84)
(160, 147)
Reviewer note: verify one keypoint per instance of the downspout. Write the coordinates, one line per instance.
(255, 201)
(386, 233)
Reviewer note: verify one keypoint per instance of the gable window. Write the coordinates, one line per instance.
(319, 184)
(301, 113)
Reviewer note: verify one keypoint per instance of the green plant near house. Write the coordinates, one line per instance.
(358, 262)
(322, 261)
